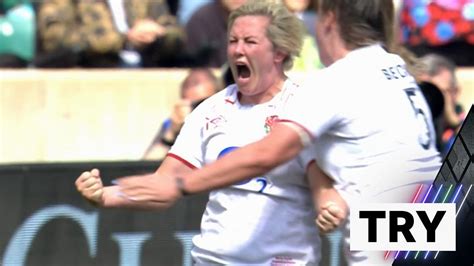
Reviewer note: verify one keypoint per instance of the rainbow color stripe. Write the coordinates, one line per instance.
(448, 193)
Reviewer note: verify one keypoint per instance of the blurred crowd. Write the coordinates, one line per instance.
(125, 33)
(190, 33)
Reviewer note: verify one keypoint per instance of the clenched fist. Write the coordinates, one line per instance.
(331, 216)
(89, 184)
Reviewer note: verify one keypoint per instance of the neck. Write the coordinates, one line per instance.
(337, 50)
(340, 54)
(264, 96)
(335, 47)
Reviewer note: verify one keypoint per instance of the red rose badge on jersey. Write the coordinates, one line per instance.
(269, 122)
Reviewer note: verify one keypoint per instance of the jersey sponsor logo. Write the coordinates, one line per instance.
(213, 123)
(255, 184)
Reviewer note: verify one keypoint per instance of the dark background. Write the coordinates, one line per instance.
(457, 169)
(27, 188)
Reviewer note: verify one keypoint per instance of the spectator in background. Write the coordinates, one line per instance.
(111, 33)
(199, 84)
(173, 6)
(153, 36)
(186, 9)
(206, 32)
(72, 34)
(17, 33)
(441, 72)
(309, 58)
(445, 27)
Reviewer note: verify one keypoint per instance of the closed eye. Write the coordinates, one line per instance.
(251, 41)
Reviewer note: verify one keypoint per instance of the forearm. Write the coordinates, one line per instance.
(235, 167)
(323, 191)
(246, 162)
(322, 187)
(327, 196)
(114, 198)
(329, 205)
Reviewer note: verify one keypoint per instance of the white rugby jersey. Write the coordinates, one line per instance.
(370, 123)
(263, 220)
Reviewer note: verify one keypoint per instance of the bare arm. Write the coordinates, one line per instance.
(171, 182)
(280, 145)
(89, 184)
(330, 206)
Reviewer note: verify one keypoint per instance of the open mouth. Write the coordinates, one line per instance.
(243, 71)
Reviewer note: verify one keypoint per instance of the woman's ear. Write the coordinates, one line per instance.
(280, 56)
(327, 21)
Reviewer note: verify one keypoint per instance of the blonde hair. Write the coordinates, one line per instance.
(285, 30)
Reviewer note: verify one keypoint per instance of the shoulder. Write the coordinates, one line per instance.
(358, 66)
(320, 79)
(326, 87)
(290, 87)
(221, 98)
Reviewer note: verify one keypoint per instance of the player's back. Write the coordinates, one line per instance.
(380, 136)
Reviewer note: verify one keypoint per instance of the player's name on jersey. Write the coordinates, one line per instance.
(395, 72)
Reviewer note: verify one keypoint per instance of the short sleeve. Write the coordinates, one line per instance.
(188, 146)
(313, 107)
(307, 156)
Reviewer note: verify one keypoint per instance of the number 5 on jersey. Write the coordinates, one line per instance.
(416, 101)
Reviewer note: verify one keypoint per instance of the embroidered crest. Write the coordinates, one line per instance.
(269, 122)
